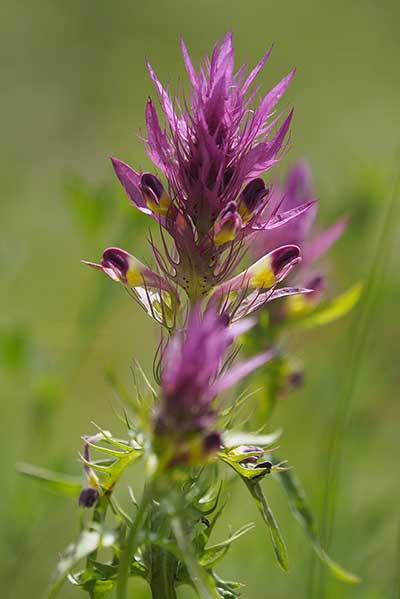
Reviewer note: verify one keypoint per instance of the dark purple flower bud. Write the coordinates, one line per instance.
(148, 181)
(88, 497)
(295, 379)
(212, 442)
(154, 194)
(283, 258)
(317, 284)
(251, 198)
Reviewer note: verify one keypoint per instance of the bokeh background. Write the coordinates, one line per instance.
(74, 85)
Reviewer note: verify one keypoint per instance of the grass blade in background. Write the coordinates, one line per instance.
(360, 336)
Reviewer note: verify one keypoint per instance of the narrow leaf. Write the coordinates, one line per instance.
(61, 484)
(216, 552)
(266, 512)
(331, 310)
(302, 512)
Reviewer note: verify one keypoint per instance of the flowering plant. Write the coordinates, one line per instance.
(213, 210)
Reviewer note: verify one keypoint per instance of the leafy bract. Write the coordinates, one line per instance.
(328, 311)
(277, 540)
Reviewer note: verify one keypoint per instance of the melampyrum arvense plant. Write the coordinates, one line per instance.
(213, 210)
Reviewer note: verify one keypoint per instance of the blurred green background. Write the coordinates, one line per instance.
(74, 85)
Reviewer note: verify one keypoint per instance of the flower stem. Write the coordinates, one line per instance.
(162, 579)
(131, 544)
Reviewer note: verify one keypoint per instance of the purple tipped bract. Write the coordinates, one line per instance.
(192, 376)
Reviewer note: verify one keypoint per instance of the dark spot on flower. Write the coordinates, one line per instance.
(224, 319)
(228, 174)
(211, 442)
(253, 193)
(283, 257)
(266, 465)
(296, 379)
(150, 181)
(117, 259)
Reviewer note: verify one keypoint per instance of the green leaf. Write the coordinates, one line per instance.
(202, 581)
(216, 552)
(61, 484)
(266, 512)
(233, 439)
(303, 514)
(329, 311)
(111, 468)
(88, 542)
(246, 472)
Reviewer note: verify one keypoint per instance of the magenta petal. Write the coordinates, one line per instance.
(255, 71)
(189, 66)
(264, 155)
(316, 248)
(284, 217)
(241, 370)
(163, 96)
(298, 186)
(130, 181)
(158, 145)
(271, 99)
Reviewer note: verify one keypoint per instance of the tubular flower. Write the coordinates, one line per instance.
(193, 374)
(211, 150)
(297, 191)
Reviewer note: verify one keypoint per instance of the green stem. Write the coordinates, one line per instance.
(162, 577)
(131, 544)
(201, 580)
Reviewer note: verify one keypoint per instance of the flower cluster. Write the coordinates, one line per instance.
(209, 197)
(193, 375)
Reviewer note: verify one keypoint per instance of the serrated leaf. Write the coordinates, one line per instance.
(329, 311)
(216, 552)
(233, 439)
(111, 468)
(302, 512)
(269, 518)
(61, 484)
(246, 472)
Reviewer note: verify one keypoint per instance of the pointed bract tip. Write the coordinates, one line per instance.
(91, 264)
